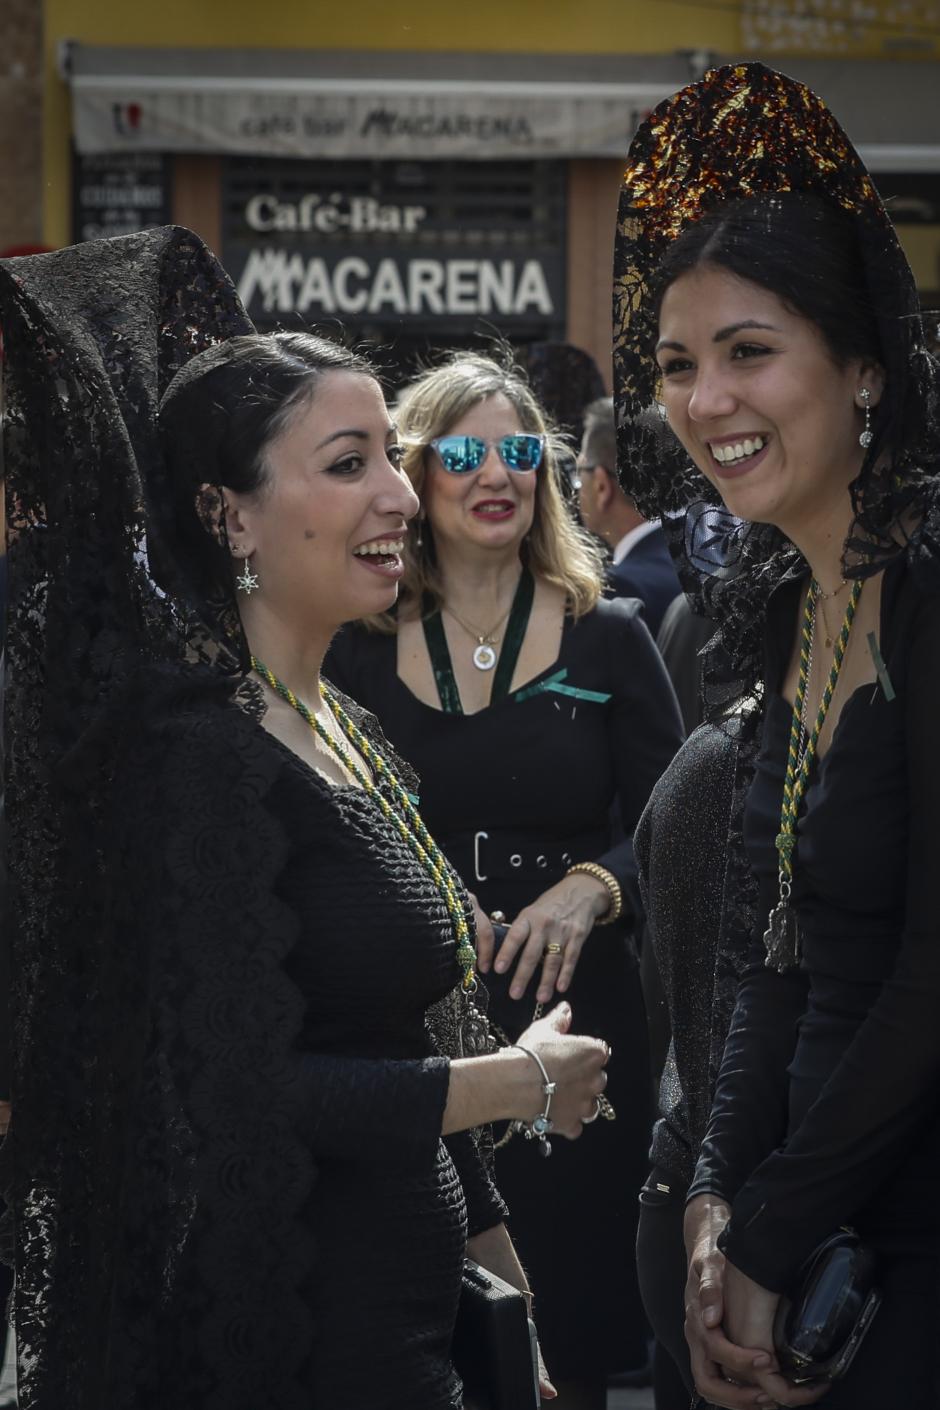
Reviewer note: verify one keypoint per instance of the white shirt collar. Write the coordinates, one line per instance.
(631, 539)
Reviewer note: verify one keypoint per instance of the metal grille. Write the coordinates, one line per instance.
(499, 203)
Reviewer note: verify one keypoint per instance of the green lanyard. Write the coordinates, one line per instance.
(782, 936)
(443, 667)
(401, 812)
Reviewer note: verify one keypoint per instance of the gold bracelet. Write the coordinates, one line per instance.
(615, 909)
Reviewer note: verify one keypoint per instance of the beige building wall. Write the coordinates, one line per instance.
(593, 195)
(21, 155)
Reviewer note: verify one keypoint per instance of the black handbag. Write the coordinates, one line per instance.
(494, 1347)
(819, 1329)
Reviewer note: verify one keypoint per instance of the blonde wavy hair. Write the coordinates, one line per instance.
(556, 549)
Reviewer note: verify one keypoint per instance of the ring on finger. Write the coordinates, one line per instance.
(586, 1120)
(554, 948)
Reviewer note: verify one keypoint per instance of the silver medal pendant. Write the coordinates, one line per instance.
(484, 658)
(782, 939)
(473, 1033)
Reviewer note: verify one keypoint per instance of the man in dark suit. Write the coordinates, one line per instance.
(641, 566)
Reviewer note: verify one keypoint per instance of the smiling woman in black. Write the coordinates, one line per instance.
(251, 1089)
(770, 302)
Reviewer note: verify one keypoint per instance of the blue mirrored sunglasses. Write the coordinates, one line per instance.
(461, 455)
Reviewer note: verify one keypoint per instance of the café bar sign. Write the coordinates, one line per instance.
(359, 258)
(387, 286)
(335, 118)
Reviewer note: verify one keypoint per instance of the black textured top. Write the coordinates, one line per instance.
(829, 1084)
(699, 900)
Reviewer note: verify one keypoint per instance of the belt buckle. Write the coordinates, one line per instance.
(477, 838)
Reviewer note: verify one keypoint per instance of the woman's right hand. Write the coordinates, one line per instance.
(714, 1358)
(574, 1063)
(508, 1086)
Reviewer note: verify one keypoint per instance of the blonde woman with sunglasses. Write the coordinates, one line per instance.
(530, 707)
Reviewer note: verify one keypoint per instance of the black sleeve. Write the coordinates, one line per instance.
(364, 1111)
(749, 1113)
(373, 1112)
(884, 1090)
(485, 1206)
(644, 729)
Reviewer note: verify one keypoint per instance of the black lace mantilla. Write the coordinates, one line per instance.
(744, 130)
(155, 1166)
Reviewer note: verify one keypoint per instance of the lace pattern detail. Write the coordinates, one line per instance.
(155, 1169)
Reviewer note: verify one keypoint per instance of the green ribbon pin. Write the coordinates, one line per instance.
(553, 685)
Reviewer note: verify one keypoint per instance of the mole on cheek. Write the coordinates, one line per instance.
(310, 533)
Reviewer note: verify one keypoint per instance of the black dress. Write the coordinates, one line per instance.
(514, 794)
(389, 1211)
(827, 1108)
(300, 957)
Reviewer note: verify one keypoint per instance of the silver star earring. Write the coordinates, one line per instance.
(247, 581)
(866, 437)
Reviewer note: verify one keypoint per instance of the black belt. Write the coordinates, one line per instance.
(494, 854)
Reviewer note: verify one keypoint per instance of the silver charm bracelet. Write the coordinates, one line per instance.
(540, 1127)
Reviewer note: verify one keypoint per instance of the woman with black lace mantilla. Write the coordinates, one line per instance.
(763, 296)
(247, 1153)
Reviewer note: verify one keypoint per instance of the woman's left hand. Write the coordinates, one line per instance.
(749, 1312)
(494, 1251)
(551, 932)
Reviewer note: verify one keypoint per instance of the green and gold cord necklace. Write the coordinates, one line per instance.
(400, 811)
(782, 936)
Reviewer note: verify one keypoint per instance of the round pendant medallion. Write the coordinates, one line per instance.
(484, 658)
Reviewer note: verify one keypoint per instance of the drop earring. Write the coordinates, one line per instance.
(866, 437)
(419, 536)
(247, 581)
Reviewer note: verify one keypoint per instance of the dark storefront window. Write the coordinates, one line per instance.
(409, 256)
(116, 193)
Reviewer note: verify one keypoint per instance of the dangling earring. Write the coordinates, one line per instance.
(866, 437)
(247, 581)
(419, 536)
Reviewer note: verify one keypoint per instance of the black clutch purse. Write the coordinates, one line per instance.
(494, 1344)
(819, 1329)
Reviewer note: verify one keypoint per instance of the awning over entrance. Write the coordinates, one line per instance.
(437, 106)
(355, 104)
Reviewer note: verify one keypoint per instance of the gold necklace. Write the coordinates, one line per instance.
(399, 809)
(485, 655)
(822, 598)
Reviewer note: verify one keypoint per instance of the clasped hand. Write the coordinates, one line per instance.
(729, 1323)
(551, 932)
